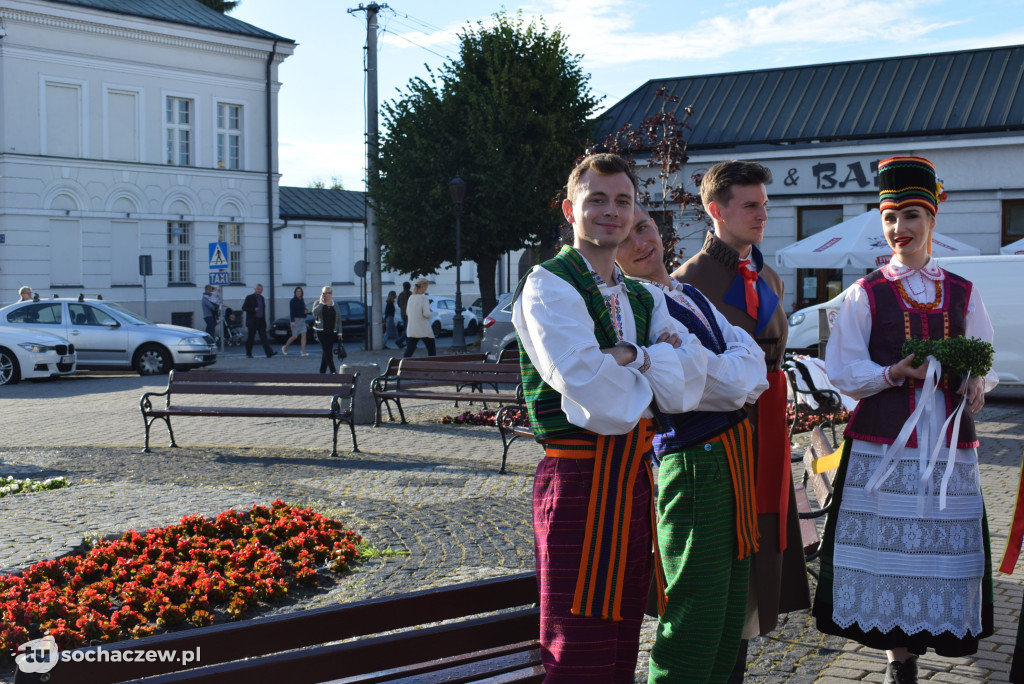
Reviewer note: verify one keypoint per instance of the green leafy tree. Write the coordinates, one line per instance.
(509, 116)
(222, 6)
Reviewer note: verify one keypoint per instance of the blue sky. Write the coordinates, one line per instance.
(623, 43)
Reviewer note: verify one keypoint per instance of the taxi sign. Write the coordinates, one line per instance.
(220, 278)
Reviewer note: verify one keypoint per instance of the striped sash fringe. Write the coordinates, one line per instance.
(618, 459)
(739, 451)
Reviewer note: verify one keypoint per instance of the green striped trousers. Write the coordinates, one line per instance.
(699, 634)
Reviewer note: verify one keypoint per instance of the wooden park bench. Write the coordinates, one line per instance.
(821, 484)
(444, 380)
(466, 632)
(338, 392)
(509, 419)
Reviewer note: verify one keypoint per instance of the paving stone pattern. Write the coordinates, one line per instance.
(429, 491)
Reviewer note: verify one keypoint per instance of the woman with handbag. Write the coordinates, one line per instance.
(328, 327)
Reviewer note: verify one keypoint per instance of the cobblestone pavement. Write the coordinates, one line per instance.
(427, 489)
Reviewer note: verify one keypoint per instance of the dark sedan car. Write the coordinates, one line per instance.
(353, 322)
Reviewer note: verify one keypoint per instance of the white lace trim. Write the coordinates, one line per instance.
(911, 603)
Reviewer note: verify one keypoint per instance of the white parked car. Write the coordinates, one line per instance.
(442, 313)
(999, 278)
(803, 325)
(107, 335)
(32, 354)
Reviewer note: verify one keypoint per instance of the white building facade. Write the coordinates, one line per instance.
(124, 135)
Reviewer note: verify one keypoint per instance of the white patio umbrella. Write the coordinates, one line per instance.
(857, 242)
(1013, 248)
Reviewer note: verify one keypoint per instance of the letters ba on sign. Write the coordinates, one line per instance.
(835, 175)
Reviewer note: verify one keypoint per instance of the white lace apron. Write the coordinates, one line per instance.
(909, 552)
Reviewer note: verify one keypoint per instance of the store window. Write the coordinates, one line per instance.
(1013, 221)
(816, 285)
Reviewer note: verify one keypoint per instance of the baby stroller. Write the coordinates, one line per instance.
(233, 335)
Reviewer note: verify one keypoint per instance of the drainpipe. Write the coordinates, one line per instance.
(270, 179)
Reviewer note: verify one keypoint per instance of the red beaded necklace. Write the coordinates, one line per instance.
(934, 304)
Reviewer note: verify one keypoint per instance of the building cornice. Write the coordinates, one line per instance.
(10, 15)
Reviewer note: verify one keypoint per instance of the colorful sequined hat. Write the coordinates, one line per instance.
(908, 182)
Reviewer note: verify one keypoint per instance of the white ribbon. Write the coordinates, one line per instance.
(890, 458)
(926, 477)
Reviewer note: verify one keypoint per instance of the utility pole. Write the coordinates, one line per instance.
(372, 237)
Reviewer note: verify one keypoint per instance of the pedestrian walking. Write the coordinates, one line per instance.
(328, 327)
(418, 324)
(403, 301)
(390, 329)
(297, 313)
(255, 308)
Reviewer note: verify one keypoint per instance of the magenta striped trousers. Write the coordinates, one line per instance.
(574, 648)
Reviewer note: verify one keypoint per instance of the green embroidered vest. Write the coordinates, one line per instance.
(543, 402)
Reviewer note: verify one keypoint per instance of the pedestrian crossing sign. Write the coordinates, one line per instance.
(218, 255)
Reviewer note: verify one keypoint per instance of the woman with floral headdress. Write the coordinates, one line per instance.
(905, 563)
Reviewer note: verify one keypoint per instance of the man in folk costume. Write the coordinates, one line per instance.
(730, 271)
(596, 351)
(707, 524)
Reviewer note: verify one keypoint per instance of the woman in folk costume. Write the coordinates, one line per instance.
(905, 562)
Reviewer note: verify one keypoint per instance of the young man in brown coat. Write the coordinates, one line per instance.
(730, 271)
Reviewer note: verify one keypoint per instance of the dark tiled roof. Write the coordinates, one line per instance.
(318, 204)
(188, 12)
(973, 91)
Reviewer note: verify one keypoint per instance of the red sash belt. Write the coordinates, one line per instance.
(1013, 543)
(774, 472)
(618, 459)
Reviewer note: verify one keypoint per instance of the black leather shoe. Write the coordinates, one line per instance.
(271, 354)
(248, 356)
(902, 673)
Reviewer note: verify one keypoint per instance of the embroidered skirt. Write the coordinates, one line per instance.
(896, 569)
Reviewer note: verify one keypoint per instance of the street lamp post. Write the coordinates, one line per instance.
(457, 188)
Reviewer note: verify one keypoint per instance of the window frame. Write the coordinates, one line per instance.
(222, 161)
(173, 130)
(179, 254)
(822, 275)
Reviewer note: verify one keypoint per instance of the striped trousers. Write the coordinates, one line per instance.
(575, 648)
(699, 633)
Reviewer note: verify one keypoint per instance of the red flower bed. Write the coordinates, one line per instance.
(807, 422)
(484, 417)
(170, 576)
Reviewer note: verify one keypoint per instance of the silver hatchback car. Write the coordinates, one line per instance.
(107, 335)
(499, 333)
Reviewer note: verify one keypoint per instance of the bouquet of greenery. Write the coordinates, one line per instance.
(956, 354)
